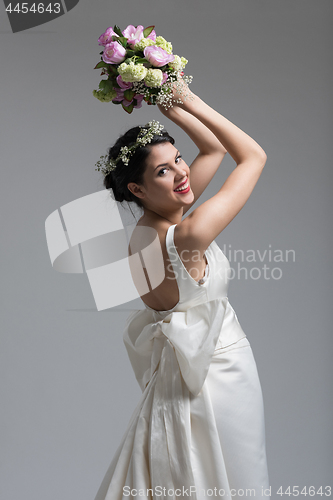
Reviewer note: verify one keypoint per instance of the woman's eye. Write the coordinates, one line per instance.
(179, 157)
(161, 171)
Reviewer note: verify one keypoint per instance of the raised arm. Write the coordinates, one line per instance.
(207, 221)
(211, 151)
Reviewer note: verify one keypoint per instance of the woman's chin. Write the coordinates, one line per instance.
(187, 198)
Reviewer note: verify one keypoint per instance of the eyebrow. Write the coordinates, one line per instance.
(165, 164)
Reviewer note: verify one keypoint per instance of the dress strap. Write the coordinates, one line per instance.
(189, 289)
(172, 252)
(171, 247)
(176, 261)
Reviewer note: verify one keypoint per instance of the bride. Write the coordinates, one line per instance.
(198, 430)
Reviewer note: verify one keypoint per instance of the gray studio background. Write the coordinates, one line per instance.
(67, 387)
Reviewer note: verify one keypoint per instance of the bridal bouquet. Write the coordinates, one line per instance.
(139, 66)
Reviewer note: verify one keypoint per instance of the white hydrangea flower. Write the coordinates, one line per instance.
(178, 63)
(161, 42)
(154, 78)
(184, 61)
(132, 72)
(105, 97)
(142, 44)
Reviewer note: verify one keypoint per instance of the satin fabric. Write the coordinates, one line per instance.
(198, 430)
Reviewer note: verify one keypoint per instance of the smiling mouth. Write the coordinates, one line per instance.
(183, 187)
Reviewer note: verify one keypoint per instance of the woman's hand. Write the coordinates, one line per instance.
(181, 97)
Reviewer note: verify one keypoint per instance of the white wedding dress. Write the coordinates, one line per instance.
(198, 430)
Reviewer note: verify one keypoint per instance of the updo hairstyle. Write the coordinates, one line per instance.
(118, 179)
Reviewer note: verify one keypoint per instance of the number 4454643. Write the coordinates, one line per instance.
(311, 491)
(36, 8)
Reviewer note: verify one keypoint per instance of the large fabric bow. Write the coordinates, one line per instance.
(193, 335)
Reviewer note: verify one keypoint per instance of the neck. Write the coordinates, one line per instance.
(173, 217)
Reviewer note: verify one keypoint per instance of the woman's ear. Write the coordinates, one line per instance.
(136, 190)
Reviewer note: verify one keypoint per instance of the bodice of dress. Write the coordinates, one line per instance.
(192, 292)
(202, 321)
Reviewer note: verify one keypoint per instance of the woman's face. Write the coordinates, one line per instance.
(165, 172)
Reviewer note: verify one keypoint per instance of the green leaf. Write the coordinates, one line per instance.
(101, 52)
(130, 53)
(117, 30)
(105, 86)
(141, 60)
(101, 64)
(112, 81)
(129, 108)
(112, 69)
(147, 31)
(129, 94)
(123, 41)
(109, 84)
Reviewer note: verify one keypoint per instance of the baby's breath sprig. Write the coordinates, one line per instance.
(144, 137)
(101, 163)
(166, 98)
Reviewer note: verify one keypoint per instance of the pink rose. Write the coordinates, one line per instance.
(133, 34)
(122, 84)
(139, 98)
(120, 95)
(114, 53)
(165, 77)
(157, 56)
(106, 37)
(121, 98)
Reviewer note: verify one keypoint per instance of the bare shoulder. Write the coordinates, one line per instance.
(144, 234)
(190, 238)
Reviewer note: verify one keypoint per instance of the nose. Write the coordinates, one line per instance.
(182, 172)
(179, 179)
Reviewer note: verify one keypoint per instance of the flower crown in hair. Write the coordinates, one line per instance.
(144, 137)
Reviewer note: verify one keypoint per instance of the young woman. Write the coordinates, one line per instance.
(198, 431)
